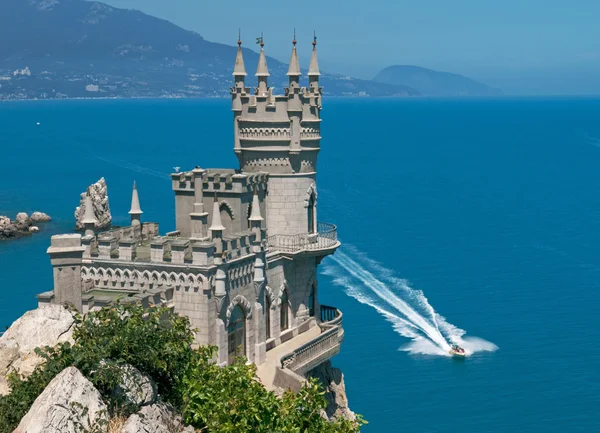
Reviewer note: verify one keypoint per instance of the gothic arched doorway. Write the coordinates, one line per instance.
(236, 334)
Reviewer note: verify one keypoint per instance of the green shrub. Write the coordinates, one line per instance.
(154, 340)
(159, 343)
(230, 399)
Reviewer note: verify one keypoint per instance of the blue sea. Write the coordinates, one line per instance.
(476, 220)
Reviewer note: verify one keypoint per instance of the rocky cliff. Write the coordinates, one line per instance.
(99, 195)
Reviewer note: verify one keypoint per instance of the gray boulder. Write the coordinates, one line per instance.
(137, 387)
(69, 404)
(157, 418)
(99, 195)
(22, 217)
(39, 217)
(45, 326)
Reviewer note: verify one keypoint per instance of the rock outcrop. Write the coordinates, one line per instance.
(99, 194)
(332, 380)
(69, 404)
(157, 418)
(46, 326)
(39, 217)
(22, 225)
(136, 387)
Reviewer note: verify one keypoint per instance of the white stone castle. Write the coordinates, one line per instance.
(242, 262)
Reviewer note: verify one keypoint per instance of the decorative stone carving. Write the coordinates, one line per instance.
(242, 302)
(224, 205)
(99, 195)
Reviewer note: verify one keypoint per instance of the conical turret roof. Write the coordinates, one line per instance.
(294, 69)
(135, 202)
(239, 69)
(255, 215)
(262, 70)
(313, 68)
(216, 216)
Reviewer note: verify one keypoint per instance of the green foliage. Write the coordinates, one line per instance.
(159, 343)
(230, 399)
(155, 341)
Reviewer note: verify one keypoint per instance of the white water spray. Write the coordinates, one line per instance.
(406, 308)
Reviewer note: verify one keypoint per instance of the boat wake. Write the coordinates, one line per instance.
(407, 309)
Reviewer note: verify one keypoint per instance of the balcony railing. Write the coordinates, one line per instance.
(319, 349)
(324, 238)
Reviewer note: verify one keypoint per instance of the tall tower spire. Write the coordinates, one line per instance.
(135, 211)
(294, 69)
(239, 69)
(313, 69)
(262, 72)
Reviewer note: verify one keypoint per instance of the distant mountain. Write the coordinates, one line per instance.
(76, 48)
(434, 83)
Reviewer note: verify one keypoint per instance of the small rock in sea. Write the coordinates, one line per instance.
(4, 221)
(39, 217)
(22, 217)
(34, 229)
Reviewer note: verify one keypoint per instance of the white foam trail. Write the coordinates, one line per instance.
(407, 309)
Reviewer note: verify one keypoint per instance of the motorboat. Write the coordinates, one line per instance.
(457, 351)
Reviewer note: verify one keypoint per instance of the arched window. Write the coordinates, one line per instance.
(311, 302)
(285, 311)
(236, 334)
(311, 214)
(268, 316)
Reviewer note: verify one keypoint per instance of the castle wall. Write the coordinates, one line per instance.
(184, 205)
(287, 203)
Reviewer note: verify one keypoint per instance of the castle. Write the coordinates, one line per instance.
(242, 262)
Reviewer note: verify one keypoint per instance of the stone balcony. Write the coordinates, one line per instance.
(287, 364)
(324, 239)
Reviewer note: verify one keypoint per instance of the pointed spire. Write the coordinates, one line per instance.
(262, 70)
(294, 69)
(255, 215)
(135, 202)
(313, 69)
(88, 216)
(239, 70)
(216, 216)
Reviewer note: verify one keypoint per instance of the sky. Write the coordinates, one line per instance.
(511, 44)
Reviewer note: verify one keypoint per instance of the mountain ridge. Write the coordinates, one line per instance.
(434, 83)
(76, 48)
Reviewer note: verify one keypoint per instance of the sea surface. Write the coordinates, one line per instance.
(460, 218)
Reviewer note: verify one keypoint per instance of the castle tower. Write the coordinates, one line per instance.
(135, 212)
(66, 256)
(280, 134)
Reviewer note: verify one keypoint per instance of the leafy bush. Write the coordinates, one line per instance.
(230, 399)
(159, 343)
(154, 340)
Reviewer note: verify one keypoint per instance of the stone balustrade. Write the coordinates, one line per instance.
(325, 238)
(327, 344)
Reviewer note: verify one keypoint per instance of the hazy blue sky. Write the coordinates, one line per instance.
(502, 42)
